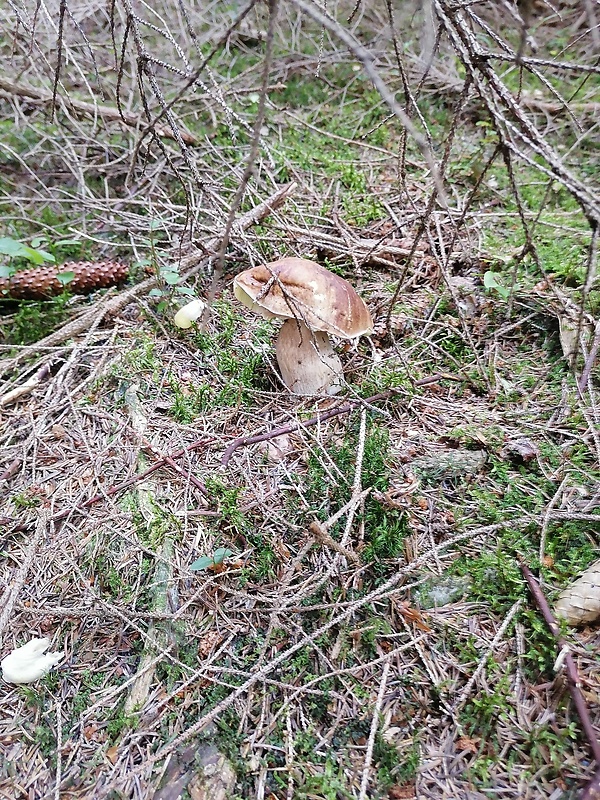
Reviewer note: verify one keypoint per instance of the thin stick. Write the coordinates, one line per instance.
(373, 732)
(174, 465)
(571, 672)
(464, 695)
(190, 266)
(590, 361)
(40, 97)
(58, 748)
(592, 790)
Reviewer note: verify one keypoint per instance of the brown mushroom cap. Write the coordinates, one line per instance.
(300, 289)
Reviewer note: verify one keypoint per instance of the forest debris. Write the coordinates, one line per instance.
(217, 778)
(579, 603)
(190, 265)
(572, 675)
(521, 449)
(321, 534)
(41, 97)
(278, 448)
(440, 591)
(467, 295)
(80, 277)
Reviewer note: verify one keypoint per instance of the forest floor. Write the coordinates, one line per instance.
(337, 611)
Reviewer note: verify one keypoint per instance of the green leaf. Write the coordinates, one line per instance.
(490, 280)
(155, 293)
(65, 277)
(205, 562)
(221, 553)
(202, 563)
(10, 247)
(186, 290)
(38, 241)
(39, 256)
(6, 271)
(170, 277)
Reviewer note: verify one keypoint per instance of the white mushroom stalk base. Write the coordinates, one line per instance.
(307, 360)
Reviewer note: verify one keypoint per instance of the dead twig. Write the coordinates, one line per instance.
(25, 388)
(116, 488)
(321, 535)
(9, 597)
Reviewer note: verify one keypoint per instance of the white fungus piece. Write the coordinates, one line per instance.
(30, 662)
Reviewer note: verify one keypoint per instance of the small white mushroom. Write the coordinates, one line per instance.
(314, 303)
(189, 313)
(28, 663)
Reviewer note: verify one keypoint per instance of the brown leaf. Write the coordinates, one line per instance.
(113, 754)
(521, 449)
(467, 744)
(208, 643)
(412, 615)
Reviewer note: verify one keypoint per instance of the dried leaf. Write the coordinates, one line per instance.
(579, 603)
(568, 325)
(405, 792)
(467, 744)
(412, 615)
(113, 754)
(521, 449)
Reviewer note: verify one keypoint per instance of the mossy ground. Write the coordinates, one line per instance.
(472, 367)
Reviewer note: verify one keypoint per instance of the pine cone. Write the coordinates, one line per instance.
(41, 282)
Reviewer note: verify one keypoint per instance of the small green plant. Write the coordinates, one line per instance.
(493, 282)
(214, 562)
(169, 277)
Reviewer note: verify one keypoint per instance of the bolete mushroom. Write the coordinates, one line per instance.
(314, 303)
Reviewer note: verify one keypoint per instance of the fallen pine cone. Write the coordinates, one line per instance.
(579, 603)
(42, 282)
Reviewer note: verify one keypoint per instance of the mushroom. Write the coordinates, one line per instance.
(314, 303)
(189, 313)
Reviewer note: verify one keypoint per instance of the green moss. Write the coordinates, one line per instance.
(33, 320)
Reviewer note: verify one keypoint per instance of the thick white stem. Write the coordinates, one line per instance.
(307, 360)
